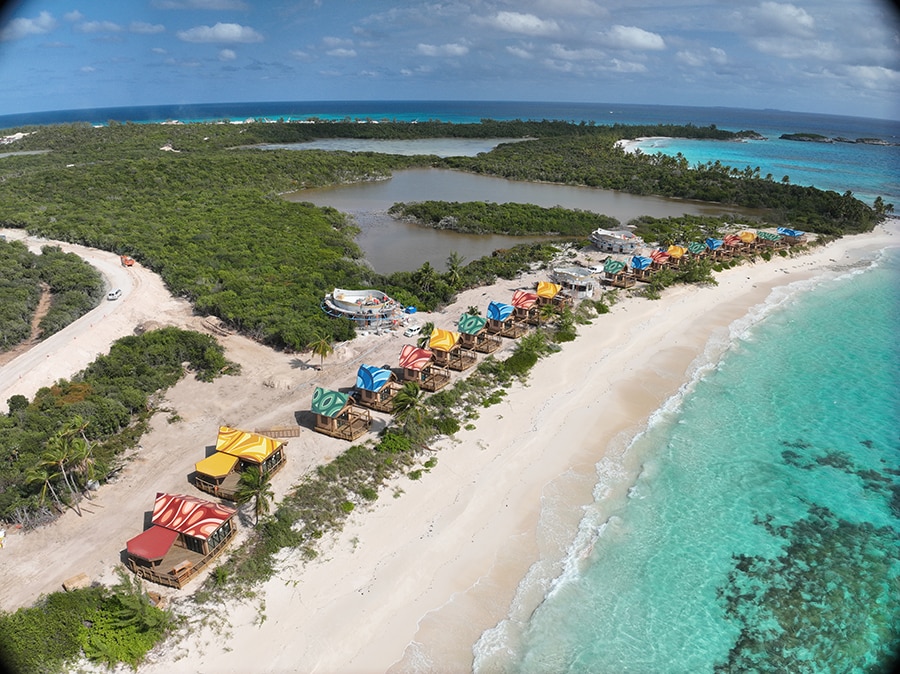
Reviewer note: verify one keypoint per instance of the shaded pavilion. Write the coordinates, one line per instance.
(615, 272)
(552, 293)
(749, 241)
(697, 249)
(338, 416)
(376, 387)
(660, 259)
(525, 307)
(640, 268)
(501, 320)
(236, 450)
(792, 236)
(677, 255)
(186, 534)
(770, 240)
(419, 366)
(473, 334)
(448, 352)
(717, 250)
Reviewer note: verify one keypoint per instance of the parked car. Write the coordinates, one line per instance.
(114, 294)
(412, 331)
(596, 269)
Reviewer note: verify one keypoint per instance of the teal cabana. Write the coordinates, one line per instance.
(473, 334)
(615, 272)
(337, 416)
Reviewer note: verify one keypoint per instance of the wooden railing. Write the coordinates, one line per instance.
(180, 576)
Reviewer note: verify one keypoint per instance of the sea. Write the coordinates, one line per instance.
(762, 531)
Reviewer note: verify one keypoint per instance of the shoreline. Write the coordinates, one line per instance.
(412, 583)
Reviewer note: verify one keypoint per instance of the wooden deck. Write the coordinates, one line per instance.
(227, 488)
(348, 427)
(180, 565)
(487, 343)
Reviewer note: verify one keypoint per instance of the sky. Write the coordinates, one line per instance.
(830, 56)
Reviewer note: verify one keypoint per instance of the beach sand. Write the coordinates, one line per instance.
(411, 582)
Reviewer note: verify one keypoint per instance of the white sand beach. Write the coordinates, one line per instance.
(412, 582)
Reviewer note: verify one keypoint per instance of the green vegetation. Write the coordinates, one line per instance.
(76, 288)
(107, 626)
(478, 217)
(71, 432)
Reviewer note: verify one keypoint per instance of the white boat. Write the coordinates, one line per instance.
(616, 241)
(371, 307)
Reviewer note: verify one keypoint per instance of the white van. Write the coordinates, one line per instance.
(114, 294)
(412, 331)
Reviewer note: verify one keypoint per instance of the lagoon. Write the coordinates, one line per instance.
(392, 245)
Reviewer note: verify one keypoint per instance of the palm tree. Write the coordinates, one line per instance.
(454, 266)
(57, 455)
(425, 335)
(408, 407)
(322, 348)
(45, 477)
(254, 484)
(547, 312)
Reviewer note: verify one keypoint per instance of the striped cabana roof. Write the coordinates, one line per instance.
(747, 236)
(371, 378)
(443, 340)
(714, 244)
(548, 290)
(328, 403)
(787, 231)
(498, 311)
(471, 324)
(640, 262)
(695, 247)
(246, 445)
(735, 240)
(612, 266)
(768, 236)
(414, 358)
(523, 300)
(659, 256)
(189, 515)
(217, 465)
(676, 252)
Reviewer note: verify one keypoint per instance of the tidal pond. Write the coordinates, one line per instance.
(392, 245)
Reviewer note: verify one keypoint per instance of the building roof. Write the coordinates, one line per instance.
(246, 445)
(523, 300)
(612, 266)
(189, 515)
(328, 403)
(371, 378)
(414, 358)
(498, 311)
(153, 544)
(548, 290)
(443, 340)
(471, 324)
(219, 464)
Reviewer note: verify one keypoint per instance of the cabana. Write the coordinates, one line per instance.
(749, 240)
(501, 320)
(337, 416)
(419, 366)
(448, 352)
(219, 473)
(186, 534)
(770, 240)
(677, 255)
(717, 249)
(525, 307)
(616, 274)
(474, 335)
(551, 293)
(660, 259)
(640, 268)
(792, 236)
(697, 249)
(377, 387)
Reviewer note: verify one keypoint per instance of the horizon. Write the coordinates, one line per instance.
(810, 56)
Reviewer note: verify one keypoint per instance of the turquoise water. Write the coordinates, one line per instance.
(762, 532)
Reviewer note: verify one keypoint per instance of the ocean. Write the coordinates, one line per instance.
(762, 531)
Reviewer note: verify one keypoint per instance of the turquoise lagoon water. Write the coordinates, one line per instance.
(762, 532)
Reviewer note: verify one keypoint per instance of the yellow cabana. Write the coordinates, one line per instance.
(444, 344)
(676, 252)
(219, 473)
(244, 445)
(218, 465)
(747, 237)
(443, 340)
(548, 290)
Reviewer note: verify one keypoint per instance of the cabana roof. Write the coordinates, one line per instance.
(245, 445)
(747, 237)
(217, 465)
(659, 256)
(371, 378)
(328, 403)
(714, 244)
(189, 515)
(471, 324)
(640, 262)
(676, 252)
(523, 300)
(153, 544)
(498, 311)
(787, 231)
(768, 236)
(612, 266)
(548, 290)
(414, 358)
(443, 340)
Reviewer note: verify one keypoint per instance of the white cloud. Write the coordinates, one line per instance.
(21, 27)
(526, 24)
(334, 42)
(696, 59)
(632, 37)
(793, 48)
(561, 52)
(781, 19)
(200, 4)
(452, 49)
(146, 28)
(874, 77)
(221, 32)
(718, 56)
(519, 52)
(73, 16)
(300, 55)
(98, 27)
(227, 55)
(573, 7)
(627, 67)
(342, 53)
